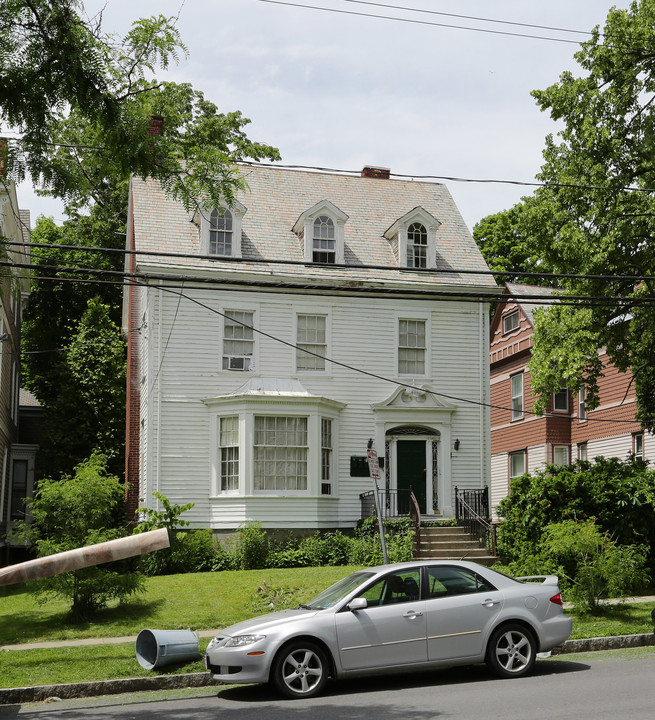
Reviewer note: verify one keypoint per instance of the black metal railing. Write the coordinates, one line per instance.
(393, 503)
(472, 512)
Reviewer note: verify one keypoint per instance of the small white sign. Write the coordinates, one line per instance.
(373, 464)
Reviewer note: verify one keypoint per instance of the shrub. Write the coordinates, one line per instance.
(619, 495)
(189, 551)
(252, 547)
(596, 566)
(73, 512)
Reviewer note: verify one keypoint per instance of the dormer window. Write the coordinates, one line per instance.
(417, 246)
(321, 230)
(324, 243)
(413, 238)
(220, 230)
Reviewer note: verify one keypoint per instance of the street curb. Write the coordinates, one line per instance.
(41, 693)
(616, 642)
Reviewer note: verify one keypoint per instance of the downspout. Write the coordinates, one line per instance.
(160, 304)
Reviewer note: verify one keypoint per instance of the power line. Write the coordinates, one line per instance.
(463, 294)
(451, 178)
(412, 21)
(136, 280)
(339, 266)
(470, 17)
(377, 376)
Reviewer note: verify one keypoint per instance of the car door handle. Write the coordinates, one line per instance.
(412, 614)
(491, 603)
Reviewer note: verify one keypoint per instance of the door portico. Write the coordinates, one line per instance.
(413, 430)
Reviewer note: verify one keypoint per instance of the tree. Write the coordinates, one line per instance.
(72, 512)
(91, 115)
(88, 411)
(507, 249)
(64, 342)
(84, 103)
(595, 216)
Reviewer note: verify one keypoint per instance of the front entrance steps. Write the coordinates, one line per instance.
(452, 543)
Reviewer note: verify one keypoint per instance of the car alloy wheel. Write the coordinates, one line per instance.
(300, 670)
(511, 651)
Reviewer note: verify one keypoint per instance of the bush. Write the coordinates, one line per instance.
(189, 551)
(74, 512)
(252, 547)
(619, 495)
(596, 566)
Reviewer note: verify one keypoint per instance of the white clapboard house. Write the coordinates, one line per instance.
(270, 341)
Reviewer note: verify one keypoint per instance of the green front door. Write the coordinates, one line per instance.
(410, 473)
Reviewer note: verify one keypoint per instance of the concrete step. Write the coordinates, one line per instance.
(452, 543)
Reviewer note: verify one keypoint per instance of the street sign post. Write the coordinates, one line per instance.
(374, 470)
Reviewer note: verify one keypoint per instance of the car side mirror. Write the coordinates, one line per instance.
(359, 603)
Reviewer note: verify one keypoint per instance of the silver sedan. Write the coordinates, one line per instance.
(396, 618)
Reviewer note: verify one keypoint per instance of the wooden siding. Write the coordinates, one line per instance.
(183, 345)
(608, 430)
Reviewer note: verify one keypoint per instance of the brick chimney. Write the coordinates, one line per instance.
(371, 171)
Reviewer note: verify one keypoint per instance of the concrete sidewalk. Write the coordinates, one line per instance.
(40, 693)
(207, 633)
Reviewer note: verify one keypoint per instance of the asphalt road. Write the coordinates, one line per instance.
(602, 686)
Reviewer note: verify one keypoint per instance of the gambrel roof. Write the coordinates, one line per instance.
(276, 198)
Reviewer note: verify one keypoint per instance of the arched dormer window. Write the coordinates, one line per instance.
(321, 230)
(324, 242)
(220, 232)
(417, 246)
(413, 238)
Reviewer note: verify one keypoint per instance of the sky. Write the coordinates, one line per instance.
(338, 90)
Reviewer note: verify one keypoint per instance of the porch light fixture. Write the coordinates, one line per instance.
(456, 446)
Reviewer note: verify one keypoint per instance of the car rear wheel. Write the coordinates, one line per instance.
(300, 670)
(511, 651)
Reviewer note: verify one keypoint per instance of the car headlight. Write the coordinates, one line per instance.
(242, 640)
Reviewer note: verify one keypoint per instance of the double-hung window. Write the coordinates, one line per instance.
(238, 340)
(324, 241)
(311, 343)
(638, 446)
(417, 246)
(280, 453)
(516, 464)
(220, 232)
(561, 400)
(561, 455)
(582, 404)
(511, 322)
(326, 456)
(412, 347)
(517, 397)
(229, 453)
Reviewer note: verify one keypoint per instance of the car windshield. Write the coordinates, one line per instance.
(338, 591)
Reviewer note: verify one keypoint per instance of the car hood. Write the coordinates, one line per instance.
(263, 623)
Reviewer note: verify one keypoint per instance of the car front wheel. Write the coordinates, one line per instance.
(300, 670)
(511, 651)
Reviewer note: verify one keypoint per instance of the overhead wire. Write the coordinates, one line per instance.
(304, 263)
(413, 21)
(133, 279)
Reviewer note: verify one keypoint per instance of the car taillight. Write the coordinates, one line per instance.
(557, 599)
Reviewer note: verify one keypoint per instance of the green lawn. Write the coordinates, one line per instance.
(200, 602)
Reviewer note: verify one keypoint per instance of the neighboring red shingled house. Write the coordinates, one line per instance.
(522, 442)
